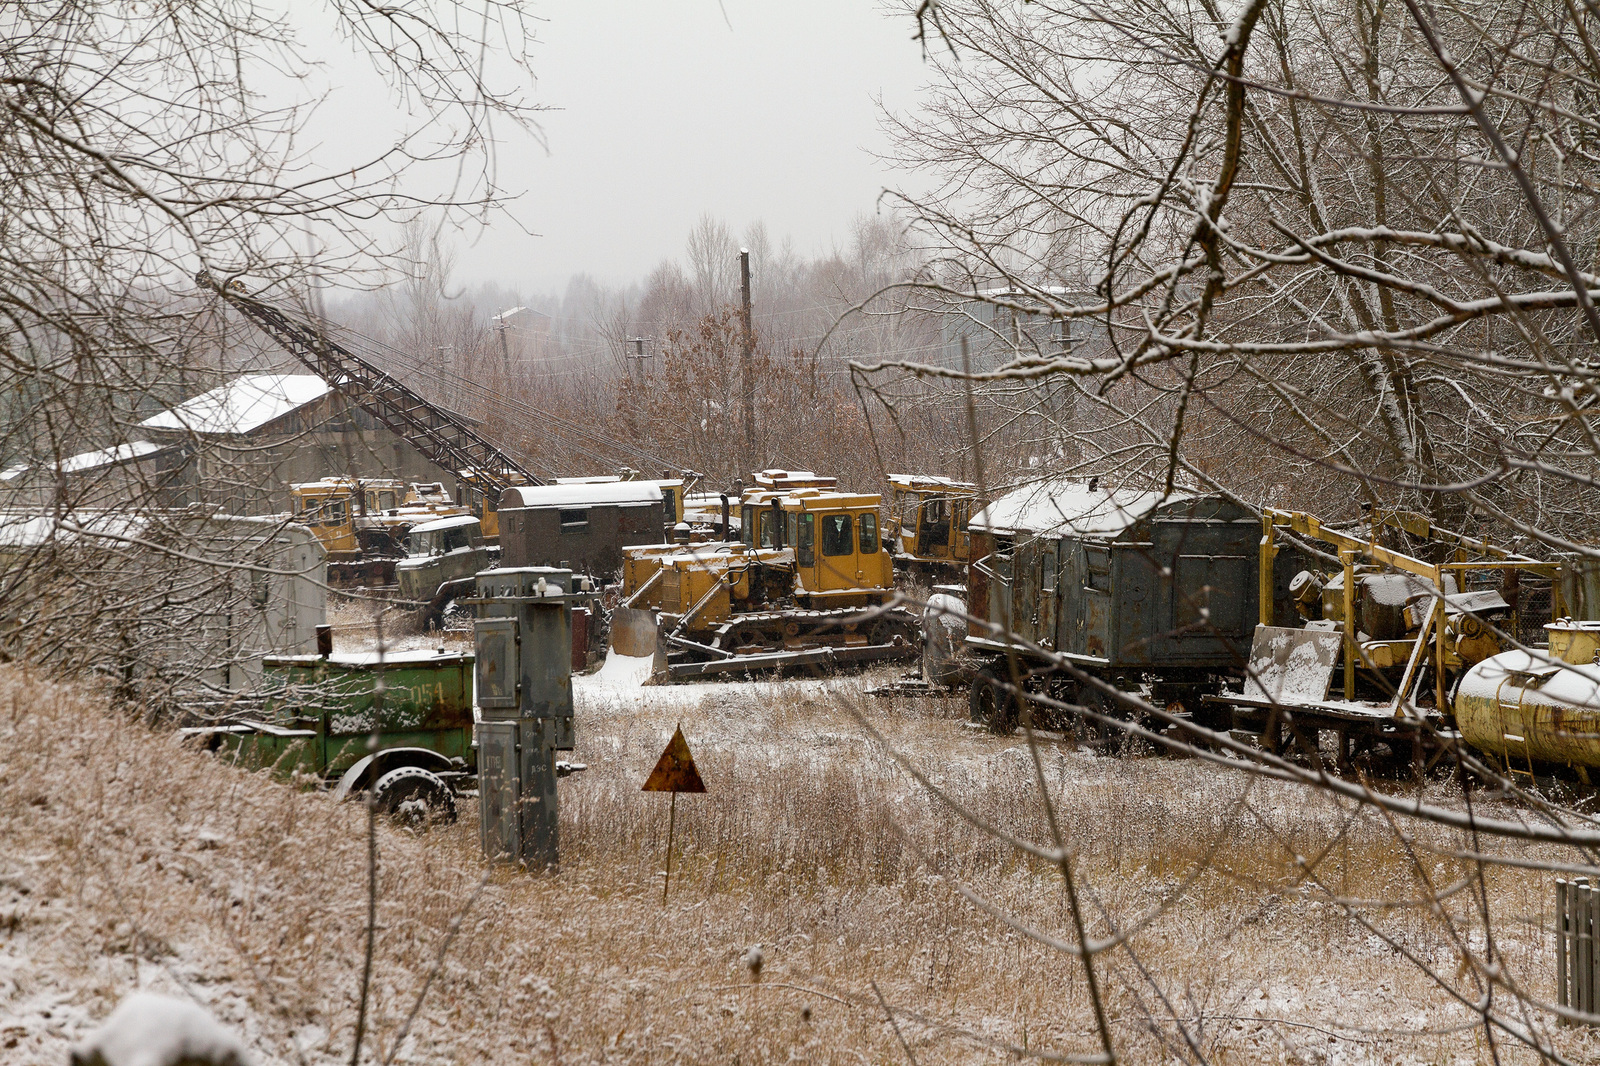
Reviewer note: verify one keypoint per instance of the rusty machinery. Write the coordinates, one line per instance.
(808, 585)
(926, 528)
(1397, 630)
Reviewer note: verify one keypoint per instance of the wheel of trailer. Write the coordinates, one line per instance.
(993, 704)
(414, 797)
(891, 631)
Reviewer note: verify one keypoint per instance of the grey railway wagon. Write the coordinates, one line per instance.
(579, 527)
(1120, 581)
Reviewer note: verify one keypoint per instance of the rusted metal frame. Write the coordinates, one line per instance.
(1438, 534)
(1264, 571)
(1347, 558)
(1309, 526)
(1414, 662)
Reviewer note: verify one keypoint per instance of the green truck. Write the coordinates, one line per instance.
(409, 743)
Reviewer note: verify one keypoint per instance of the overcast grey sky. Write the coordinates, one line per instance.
(667, 111)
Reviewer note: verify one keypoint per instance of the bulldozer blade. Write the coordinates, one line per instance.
(633, 632)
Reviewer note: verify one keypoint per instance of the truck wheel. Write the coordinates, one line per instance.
(414, 796)
(993, 704)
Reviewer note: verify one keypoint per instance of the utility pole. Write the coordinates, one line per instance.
(749, 358)
(636, 360)
(500, 322)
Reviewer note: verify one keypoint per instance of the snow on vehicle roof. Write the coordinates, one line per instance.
(921, 481)
(1063, 506)
(622, 493)
(242, 405)
(445, 523)
(122, 453)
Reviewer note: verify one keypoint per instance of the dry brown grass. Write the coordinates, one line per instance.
(129, 860)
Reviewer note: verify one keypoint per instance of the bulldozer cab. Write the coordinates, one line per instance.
(929, 516)
(839, 556)
(327, 507)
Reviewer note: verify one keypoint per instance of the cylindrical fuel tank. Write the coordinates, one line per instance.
(943, 626)
(1520, 705)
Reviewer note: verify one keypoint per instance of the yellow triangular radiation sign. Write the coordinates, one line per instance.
(675, 771)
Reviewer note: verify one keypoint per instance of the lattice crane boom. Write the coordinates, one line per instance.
(440, 436)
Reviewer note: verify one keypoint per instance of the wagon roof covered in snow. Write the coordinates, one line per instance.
(619, 493)
(242, 405)
(122, 453)
(1069, 508)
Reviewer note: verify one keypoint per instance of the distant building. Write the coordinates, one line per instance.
(237, 447)
(242, 444)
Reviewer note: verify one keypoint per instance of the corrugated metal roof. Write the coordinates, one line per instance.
(1064, 507)
(242, 405)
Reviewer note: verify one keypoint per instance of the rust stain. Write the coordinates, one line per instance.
(675, 770)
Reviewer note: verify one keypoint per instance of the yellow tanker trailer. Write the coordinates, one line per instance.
(1528, 707)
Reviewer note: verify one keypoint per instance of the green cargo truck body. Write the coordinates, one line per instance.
(322, 713)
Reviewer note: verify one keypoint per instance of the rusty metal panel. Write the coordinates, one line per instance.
(1049, 592)
(495, 641)
(675, 771)
(498, 787)
(1025, 590)
(1293, 666)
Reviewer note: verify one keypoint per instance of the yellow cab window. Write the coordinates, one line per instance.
(869, 533)
(806, 540)
(837, 536)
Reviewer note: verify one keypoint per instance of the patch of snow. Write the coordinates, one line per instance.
(623, 671)
(122, 453)
(152, 1030)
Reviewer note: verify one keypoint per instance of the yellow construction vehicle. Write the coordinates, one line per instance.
(810, 584)
(927, 525)
(363, 522)
(1407, 608)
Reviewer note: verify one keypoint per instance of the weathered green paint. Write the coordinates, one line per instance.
(323, 712)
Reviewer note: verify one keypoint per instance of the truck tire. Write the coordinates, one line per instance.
(414, 796)
(992, 703)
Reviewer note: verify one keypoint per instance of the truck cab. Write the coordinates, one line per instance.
(928, 519)
(442, 557)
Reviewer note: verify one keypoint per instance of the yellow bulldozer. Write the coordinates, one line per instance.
(809, 584)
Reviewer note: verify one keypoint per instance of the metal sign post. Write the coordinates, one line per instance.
(675, 772)
(523, 639)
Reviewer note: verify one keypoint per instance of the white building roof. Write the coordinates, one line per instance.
(122, 453)
(1064, 507)
(616, 493)
(929, 481)
(242, 405)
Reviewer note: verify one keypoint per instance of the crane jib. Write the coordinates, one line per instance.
(441, 437)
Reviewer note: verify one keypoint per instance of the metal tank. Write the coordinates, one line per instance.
(1529, 707)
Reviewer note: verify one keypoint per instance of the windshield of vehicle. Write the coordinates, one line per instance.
(836, 538)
